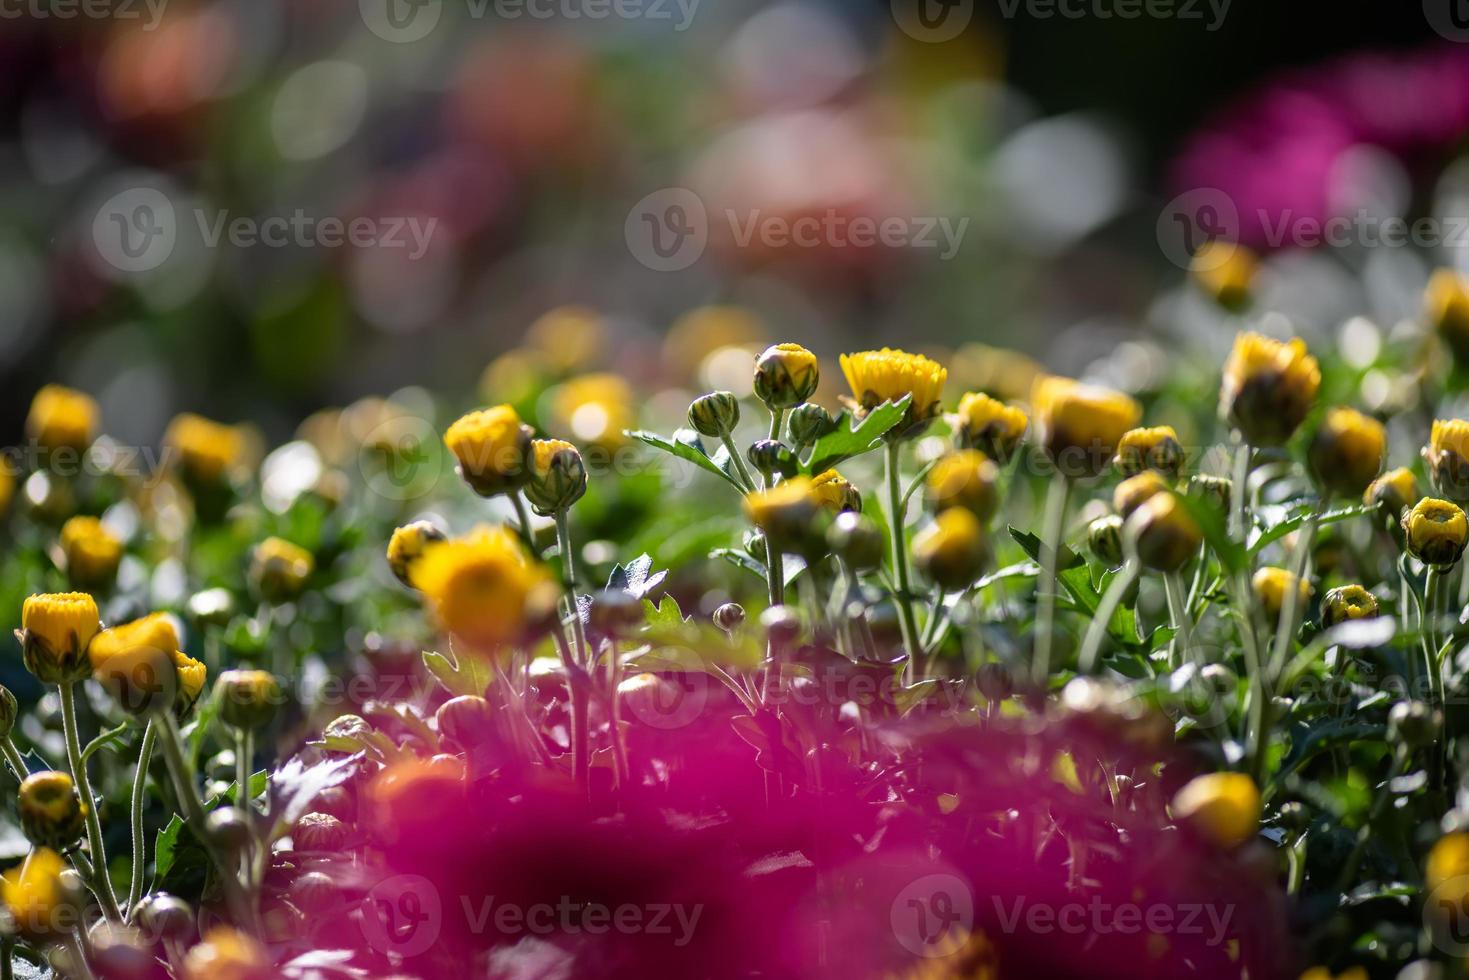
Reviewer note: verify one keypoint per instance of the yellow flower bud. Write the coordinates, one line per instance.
(1222, 808)
(1268, 388)
(206, 452)
(1393, 492)
(1135, 491)
(1446, 310)
(1447, 455)
(1271, 586)
(52, 814)
(1165, 534)
(279, 569)
(91, 551)
(248, 699)
(888, 375)
(484, 588)
(1346, 603)
(833, 492)
(1150, 449)
(407, 545)
(786, 375)
(1447, 861)
(61, 418)
(56, 629)
(951, 551)
(37, 897)
(141, 666)
(967, 478)
(786, 513)
(989, 425)
(228, 954)
(1079, 426)
(558, 476)
(1226, 272)
(492, 447)
(1435, 532)
(1346, 452)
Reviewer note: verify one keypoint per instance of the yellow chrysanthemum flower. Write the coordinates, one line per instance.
(52, 813)
(56, 629)
(228, 954)
(62, 418)
(1347, 602)
(1268, 388)
(1155, 448)
(786, 375)
(1435, 532)
(1447, 456)
(1347, 451)
(1221, 807)
(1393, 492)
(92, 552)
(279, 569)
(833, 492)
(206, 452)
(142, 667)
(35, 896)
(594, 409)
(1079, 425)
(1226, 272)
(568, 338)
(479, 587)
(989, 425)
(951, 552)
(786, 512)
(1164, 532)
(888, 375)
(1272, 585)
(1446, 309)
(967, 478)
(492, 446)
(407, 545)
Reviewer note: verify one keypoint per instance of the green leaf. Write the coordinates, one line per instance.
(107, 737)
(1031, 545)
(685, 445)
(791, 566)
(848, 440)
(1215, 527)
(456, 681)
(1297, 520)
(180, 862)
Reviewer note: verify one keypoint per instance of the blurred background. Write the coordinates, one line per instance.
(257, 208)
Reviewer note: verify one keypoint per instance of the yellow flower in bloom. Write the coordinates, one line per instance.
(1346, 603)
(92, 553)
(1079, 426)
(279, 569)
(56, 629)
(967, 478)
(951, 551)
(569, 338)
(1447, 456)
(205, 451)
(1435, 532)
(408, 544)
(702, 331)
(1268, 388)
(492, 447)
(786, 512)
(1447, 861)
(142, 667)
(1221, 807)
(786, 375)
(480, 587)
(1156, 448)
(989, 425)
(1446, 309)
(1393, 492)
(1165, 533)
(595, 409)
(1226, 271)
(61, 418)
(1346, 452)
(1271, 587)
(228, 954)
(888, 375)
(833, 492)
(35, 895)
(558, 475)
(1133, 492)
(52, 814)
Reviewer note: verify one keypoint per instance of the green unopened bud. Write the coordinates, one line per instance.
(857, 541)
(8, 711)
(786, 375)
(247, 698)
(715, 414)
(810, 422)
(279, 569)
(771, 456)
(319, 832)
(316, 894)
(729, 616)
(52, 813)
(228, 828)
(165, 916)
(995, 682)
(1104, 537)
(1413, 723)
(558, 476)
(1213, 490)
(1164, 533)
(464, 722)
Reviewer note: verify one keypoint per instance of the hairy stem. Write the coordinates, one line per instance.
(102, 882)
(903, 596)
(140, 786)
(1052, 532)
(1096, 632)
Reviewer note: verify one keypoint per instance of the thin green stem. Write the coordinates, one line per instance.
(522, 521)
(1096, 633)
(903, 594)
(1052, 532)
(737, 458)
(1428, 622)
(777, 417)
(244, 751)
(1239, 495)
(568, 562)
(140, 786)
(13, 758)
(1290, 612)
(103, 881)
(580, 720)
(78, 950)
(1179, 619)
